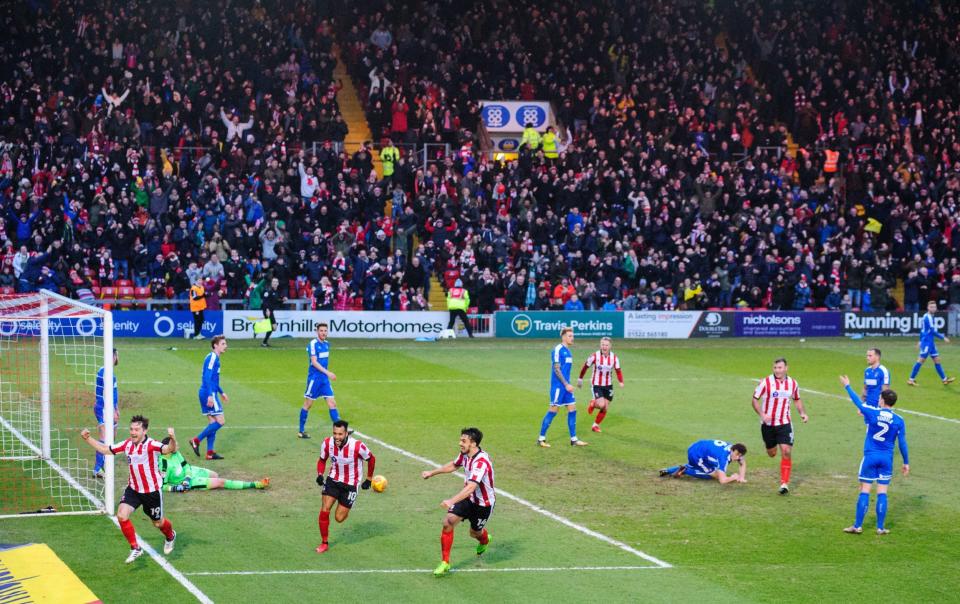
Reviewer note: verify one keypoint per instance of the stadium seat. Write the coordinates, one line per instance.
(107, 293)
(7, 291)
(123, 283)
(141, 293)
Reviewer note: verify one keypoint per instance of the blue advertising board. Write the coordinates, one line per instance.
(126, 324)
(783, 324)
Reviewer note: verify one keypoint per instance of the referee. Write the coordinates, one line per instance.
(273, 300)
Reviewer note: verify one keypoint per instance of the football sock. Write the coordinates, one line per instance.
(940, 372)
(602, 414)
(303, 419)
(207, 431)
(785, 465)
(212, 437)
(98, 463)
(863, 502)
(126, 527)
(545, 424)
(484, 538)
(446, 542)
(590, 408)
(881, 509)
(671, 469)
(915, 370)
(167, 529)
(324, 525)
(238, 485)
(334, 415)
(572, 424)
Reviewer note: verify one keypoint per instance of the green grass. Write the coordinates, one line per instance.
(726, 543)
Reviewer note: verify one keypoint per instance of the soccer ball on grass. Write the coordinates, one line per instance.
(379, 483)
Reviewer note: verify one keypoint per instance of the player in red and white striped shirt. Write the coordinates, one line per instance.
(604, 364)
(776, 391)
(475, 500)
(145, 486)
(347, 456)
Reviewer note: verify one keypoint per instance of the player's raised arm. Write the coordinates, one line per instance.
(854, 397)
(444, 469)
(171, 446)
(96, 444)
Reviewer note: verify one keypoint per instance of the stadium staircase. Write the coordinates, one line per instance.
(352, 110)
(438, 297)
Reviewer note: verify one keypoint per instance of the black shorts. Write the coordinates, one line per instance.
(345, 494)
(476, 514)
(152, 502)
(603, 392)
(777, 435)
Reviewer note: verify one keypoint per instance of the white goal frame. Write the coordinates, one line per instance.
(38, 309)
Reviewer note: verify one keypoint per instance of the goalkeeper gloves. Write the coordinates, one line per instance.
(365, 485)
(320, 479)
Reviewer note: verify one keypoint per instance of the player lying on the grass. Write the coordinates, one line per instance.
(144, 487)
(928, 346)
(709, 459)
(180, 476)
(604, 363)
(883, 427)
(475, 500)
(346, 454)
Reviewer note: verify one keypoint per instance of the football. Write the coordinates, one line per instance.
(448, 334)
(379, 483)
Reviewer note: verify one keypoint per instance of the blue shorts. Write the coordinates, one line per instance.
(698, 467)
(560, 396)
(217, 408)
(928, 350)
(876, 468)
(318, 388)
(98, 412)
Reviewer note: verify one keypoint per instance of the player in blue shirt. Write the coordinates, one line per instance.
(883, 427)
(98, 412)
(561, 390)
(928, 345)
(210, 394)
(318, 379)
(708, 459)
(876, 378)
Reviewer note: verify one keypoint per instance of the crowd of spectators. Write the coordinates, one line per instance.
(166, 144)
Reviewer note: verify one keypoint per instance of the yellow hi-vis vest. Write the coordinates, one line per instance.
(458, 299)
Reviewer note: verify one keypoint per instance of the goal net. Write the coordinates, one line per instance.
(51, 349)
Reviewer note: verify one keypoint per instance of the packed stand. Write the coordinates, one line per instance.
(668, 187)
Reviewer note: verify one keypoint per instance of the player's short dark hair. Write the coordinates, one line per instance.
(739, 448)
(780, 360)
(216, 340)
(341, 423)
(875, 351)
(473, 434)
(889, 397)
(321, 324)
(139, 419)
(166, 440)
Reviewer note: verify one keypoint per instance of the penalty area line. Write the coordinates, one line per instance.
(403, 571)
(545, 512)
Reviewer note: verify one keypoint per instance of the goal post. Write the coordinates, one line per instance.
(51, 349)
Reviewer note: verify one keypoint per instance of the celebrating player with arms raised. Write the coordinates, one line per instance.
(604, 363)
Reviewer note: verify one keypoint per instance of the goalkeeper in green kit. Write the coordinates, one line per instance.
(180, 476)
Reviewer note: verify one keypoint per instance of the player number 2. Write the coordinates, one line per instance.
(883, 430)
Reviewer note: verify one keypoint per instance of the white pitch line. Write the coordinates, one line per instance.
(404, 571)
(897, 409)
(173, 572)
(532, 506)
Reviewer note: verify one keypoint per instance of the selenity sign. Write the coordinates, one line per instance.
(547, 324)
(126, 324)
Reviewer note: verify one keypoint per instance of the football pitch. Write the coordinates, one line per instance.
(583, 524)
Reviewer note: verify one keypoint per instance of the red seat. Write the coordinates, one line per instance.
(7, 291)
(141, 293)
(108, 292)
(125, 292)
(123, 283)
